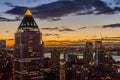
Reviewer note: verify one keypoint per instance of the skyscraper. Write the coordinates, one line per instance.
(74, 67)
(99, 53)
(55, 66)
(55, 59)
(28, 50)
(88, 55)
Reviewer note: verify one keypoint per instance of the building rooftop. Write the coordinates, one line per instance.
(28, 13)
(28, 23)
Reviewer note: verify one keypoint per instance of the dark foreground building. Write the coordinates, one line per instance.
(74, 67)
(2, 45)
(28, 55)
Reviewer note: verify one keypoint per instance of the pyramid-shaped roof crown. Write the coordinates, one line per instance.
(28, 13)
(28, 23)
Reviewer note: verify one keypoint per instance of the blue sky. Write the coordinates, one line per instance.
(71, 24)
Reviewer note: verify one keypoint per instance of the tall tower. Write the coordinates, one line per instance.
(99, 53)
(88, 55)
(28, 50)
(55, 59)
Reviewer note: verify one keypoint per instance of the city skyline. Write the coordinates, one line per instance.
(60, 40)
(64, 27)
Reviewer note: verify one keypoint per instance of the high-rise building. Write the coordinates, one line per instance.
(55, 59)
(74, 67)
(28, 50)
(88, 55)
(99, 53)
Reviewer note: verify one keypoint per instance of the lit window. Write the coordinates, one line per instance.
(30, 49)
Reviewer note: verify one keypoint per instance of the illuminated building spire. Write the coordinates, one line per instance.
(28, 13)
(28, 23)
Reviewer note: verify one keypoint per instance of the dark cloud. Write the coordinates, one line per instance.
(47, 11)
(54, 19)
(9, 4)
(55, 10)
(58, 41)
(2, 18)
(17, 10)
(56, 34)
(10, 39)
(66, 29)
(6, 19)
(47, 34)
(117, 25)
(112, 37)
(55, 28)
(109, 39)
(82, 28)
(60, 29)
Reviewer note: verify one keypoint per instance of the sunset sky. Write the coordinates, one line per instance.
(54, 24)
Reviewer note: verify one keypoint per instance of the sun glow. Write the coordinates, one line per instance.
(10, 42)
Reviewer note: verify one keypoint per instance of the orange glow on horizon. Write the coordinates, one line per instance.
(56, 42)
(46, 43)
(10, 42)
